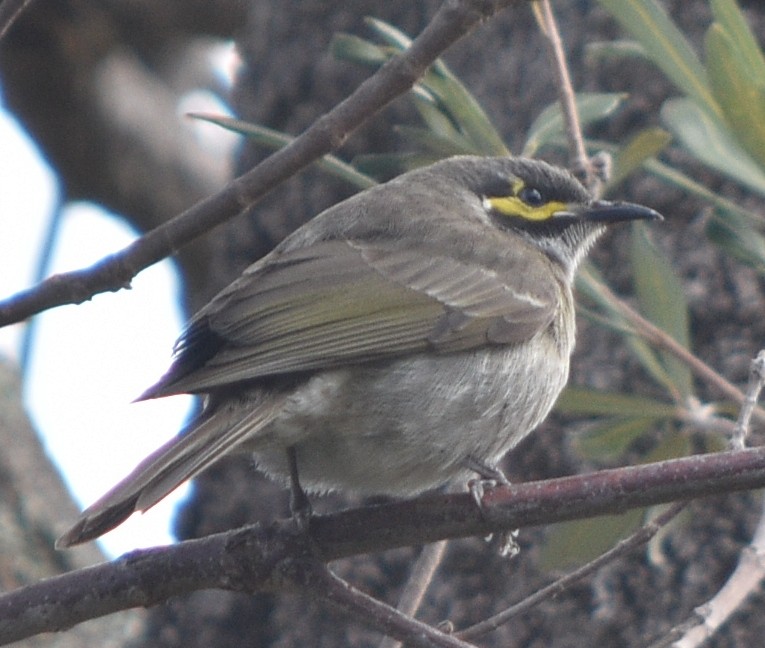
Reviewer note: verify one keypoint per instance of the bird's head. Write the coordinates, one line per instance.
(544, 204)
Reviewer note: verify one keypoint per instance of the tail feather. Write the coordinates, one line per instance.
(170, 465)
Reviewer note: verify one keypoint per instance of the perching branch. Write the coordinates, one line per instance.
(254, 558)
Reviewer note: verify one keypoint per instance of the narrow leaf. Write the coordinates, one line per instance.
(430, 142)
(389, 33)
(466, 112)
(434, 117)
(740, 96)
(610, 439)
(590, 283)
(645, 145)
(348, 47)
(590, 402)
(579, 541)
(648, 22)
(682, 181)
(549, 124)
(661, 298)
(649, 358)
(275, 140)
(732, 20)
(615, 50)
(737, 237)
(708, 139)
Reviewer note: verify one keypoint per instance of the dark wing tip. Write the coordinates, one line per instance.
(90, 527)
(198, 344)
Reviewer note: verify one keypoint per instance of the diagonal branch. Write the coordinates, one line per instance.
(624, 547)
(454, 20)
(10, 11)
(319, 581)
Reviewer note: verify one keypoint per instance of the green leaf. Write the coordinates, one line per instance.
(732, 20)
(466, 112)
(439, 87)
(709, 140)
(741, 97)
(610, 439)
(394, 37)
(647, 144)
(732, 227)
(679, 179)
(738, 238)
(649, 358)
(275, 140)
(579, 541)
(430, 142)
(389, 165)
(348, 47)
(433, 115)
(661, 298)
(591, 284)
(549, 124)
(673, 444)
(590, 402)
(462, 107)
(648, 22)
(615, 50)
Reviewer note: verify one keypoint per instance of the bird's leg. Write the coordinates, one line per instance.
(490, 477)
(300, 505)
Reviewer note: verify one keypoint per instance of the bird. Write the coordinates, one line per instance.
(403, 339)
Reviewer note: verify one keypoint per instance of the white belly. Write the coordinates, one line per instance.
(413, 424)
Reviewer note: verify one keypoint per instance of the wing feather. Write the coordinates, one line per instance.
(338, 302)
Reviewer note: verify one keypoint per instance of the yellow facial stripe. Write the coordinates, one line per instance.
(514, 206)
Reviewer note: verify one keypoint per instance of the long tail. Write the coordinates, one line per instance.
(172, 464)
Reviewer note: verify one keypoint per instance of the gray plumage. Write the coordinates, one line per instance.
(396, 341)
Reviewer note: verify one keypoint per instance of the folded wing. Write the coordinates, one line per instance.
(339, 302)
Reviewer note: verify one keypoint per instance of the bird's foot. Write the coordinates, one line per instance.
(491, 477)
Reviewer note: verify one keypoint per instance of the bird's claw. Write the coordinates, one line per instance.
(491, 477)
(478, 488)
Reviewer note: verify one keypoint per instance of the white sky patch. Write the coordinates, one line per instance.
(88, 362)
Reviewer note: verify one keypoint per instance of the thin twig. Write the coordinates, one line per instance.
(10, 11)
(756, 381)
(317, 579)
(662, 340)
(580, 160)
(417, 584)
(638, 538)
(750, 570)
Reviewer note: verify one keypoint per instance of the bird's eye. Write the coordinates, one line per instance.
(531, 196)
